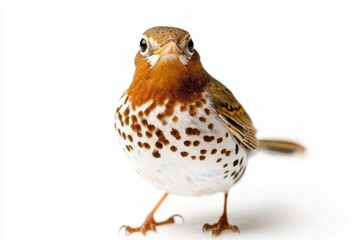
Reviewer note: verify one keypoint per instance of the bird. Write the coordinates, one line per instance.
(185, 132)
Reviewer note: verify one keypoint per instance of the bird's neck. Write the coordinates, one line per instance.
(167, 82)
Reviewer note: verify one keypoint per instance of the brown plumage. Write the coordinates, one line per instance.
(185, 131)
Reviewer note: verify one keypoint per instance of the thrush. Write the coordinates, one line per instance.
(183, 130)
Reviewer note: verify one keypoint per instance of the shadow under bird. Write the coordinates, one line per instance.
(183, 130)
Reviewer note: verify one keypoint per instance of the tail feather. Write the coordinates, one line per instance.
(281, 146)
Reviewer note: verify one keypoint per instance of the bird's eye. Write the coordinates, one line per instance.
(143, 45)
(190, 45)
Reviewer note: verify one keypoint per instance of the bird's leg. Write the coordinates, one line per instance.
(222, 224)
(150, 223)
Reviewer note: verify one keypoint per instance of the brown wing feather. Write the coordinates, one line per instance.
(233, 114)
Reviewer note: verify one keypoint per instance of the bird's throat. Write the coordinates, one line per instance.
(167, 80)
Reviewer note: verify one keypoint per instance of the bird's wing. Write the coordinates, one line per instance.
(232, 114)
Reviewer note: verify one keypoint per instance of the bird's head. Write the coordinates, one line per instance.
(166, 45)
(166, 62)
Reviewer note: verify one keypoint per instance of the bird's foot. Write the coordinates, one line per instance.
(221, 225)
(149, 224)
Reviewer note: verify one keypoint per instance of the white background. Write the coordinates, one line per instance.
(294, 65)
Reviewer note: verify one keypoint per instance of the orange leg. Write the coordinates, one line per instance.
(222, 224)
(150, 223)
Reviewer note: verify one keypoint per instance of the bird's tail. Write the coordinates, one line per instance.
(280, 146)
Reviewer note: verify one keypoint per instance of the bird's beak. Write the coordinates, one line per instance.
(169, 48)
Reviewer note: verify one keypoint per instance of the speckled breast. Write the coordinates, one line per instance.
(182, 149)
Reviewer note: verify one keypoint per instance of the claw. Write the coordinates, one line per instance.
(206, 227)
(178, 216)
(124, 227)
(236, 229)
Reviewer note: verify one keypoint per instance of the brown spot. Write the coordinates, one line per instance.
(203, 151)
(236, 175)
(227, 153)
(127, 121)
(146, 145)
(169, 108)
(193, 157)
(173, 148)
(227, 171)
(148, 134)
(223, 150)
(187, 143)
(202, 119)
(139, 134)
(219, 160)
(213, 151)
(140, 144)
(134, 119)
(175, 134)
(144, 122)
(203, 100)
(233, 173)
(196, 143)
(161, 116)
(150, 108)
(192, 131)
(184, 154)
(225, 165)
(159, 133)
(119, 116)
(126, 112)
(208, 138)
(124, 136)
(164, 122)
(151, 127)
(128, 147)
(161, 137)
(183, 108)
(136, 127)
(140, 114)
(192, 110)
(175, 119)
(241, 161)
(126, 99)
(207, 111)
(158, 145)
(156, 154)
(225, 176)
(219, 140)
(198, 104)
(227, 135)
(120, 119)
(211, 126)
(119, 131)
(130, 137)
(235, 162)
(202, 157)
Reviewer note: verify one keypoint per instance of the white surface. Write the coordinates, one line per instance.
(294, 65)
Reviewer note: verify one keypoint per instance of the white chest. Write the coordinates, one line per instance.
(181, 149)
